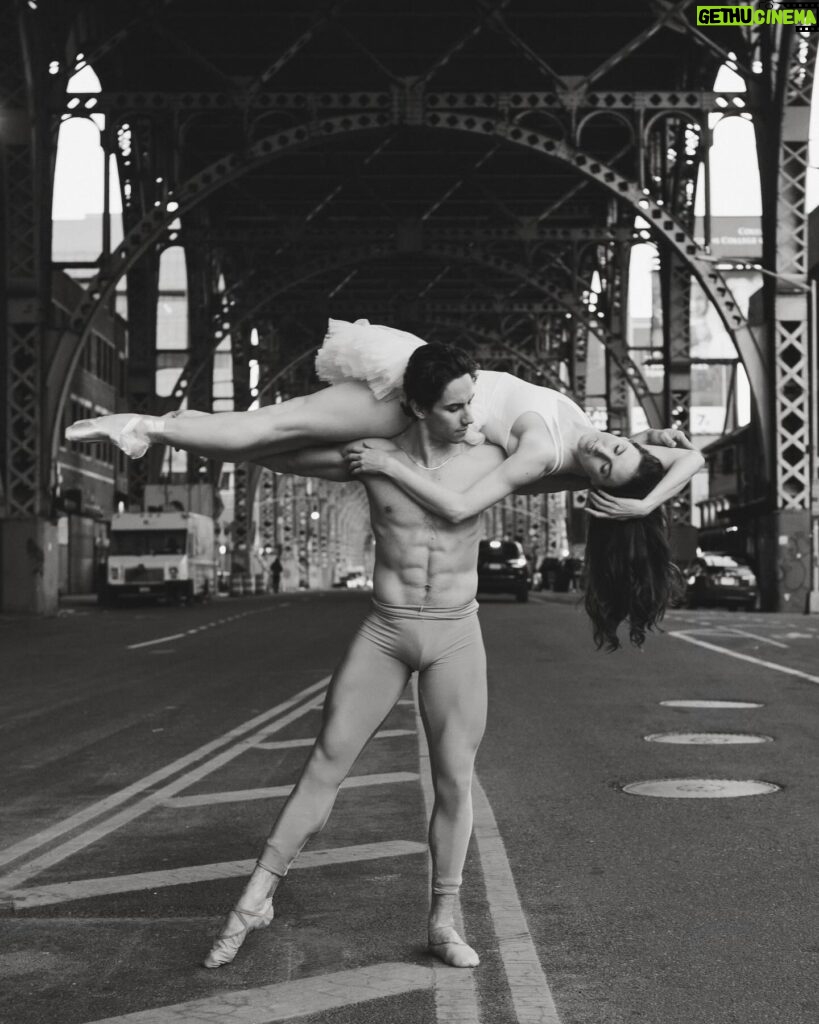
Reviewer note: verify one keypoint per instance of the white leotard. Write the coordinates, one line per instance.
(500, 398)
(378, 355)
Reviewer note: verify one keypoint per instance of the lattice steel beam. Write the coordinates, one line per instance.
(229, 168)
(128, 104)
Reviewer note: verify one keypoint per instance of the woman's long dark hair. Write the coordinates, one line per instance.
(629, 573)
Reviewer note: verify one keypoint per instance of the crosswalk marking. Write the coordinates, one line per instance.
(234, 796)
(308, 741)
(89, 888)
(290, 999)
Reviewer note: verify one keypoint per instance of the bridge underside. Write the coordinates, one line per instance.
(474, 172)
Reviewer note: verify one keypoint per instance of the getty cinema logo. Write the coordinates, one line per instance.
(801, 14)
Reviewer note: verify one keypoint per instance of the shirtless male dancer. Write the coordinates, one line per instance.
(424, 618)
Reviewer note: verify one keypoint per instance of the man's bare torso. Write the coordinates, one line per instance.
(420, 558)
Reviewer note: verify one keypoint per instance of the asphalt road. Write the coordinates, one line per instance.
(145, 750)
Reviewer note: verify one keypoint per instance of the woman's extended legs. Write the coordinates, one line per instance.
(364, 688)
(453, 707)
(343, 412)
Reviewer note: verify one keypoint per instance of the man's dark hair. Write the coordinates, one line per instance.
(430, 369)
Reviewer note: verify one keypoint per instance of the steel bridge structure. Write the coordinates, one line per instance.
(475, 171)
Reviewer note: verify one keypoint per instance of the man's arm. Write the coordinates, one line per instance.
(324, 463)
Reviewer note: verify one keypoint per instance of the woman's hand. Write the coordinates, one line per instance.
(361, 458)
(602, 505)
(670, 437)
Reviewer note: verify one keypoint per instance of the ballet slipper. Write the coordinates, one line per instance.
(447, 945)
(226, 947)
(131, 437)
(474, 436)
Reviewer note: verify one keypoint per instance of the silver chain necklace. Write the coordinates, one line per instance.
(429, 469)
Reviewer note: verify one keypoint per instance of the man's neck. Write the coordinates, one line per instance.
(424, 449)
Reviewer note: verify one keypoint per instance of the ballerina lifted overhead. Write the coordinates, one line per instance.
(549, 442)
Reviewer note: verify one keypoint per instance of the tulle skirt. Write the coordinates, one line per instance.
(366, 352)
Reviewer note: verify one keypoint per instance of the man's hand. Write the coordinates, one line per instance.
(608, 506)
(361, 458)
(669, 437)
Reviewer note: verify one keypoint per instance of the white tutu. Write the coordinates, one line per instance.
(366, 352)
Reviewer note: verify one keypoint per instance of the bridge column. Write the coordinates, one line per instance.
(785, 533)
(28, 537)
(675, 287)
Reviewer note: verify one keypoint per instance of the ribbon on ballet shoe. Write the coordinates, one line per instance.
(135, 445)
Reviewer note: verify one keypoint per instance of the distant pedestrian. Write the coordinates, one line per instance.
(275, 574)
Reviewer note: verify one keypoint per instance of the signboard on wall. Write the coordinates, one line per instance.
(738, 238)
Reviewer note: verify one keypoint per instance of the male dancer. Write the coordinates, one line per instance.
(424, 618)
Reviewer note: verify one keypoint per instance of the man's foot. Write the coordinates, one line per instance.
(239, 922)
(127, 431)
(447, 945)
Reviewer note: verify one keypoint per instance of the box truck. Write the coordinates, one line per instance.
(160, 554)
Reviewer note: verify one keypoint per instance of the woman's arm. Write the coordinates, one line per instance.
(680, 465)
(518, 470)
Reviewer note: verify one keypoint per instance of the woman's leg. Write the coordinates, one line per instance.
(343, 412)
(453, 700)
(364, 688)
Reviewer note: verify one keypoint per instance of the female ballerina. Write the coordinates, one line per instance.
(550, 444)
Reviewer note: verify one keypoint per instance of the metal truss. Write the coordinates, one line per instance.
(792, 336)
(562, 299)
(24, 180)
(130, 104)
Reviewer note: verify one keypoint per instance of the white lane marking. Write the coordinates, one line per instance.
(733, 631)
(290, 999)
(160, 640)
(235, 796)
(26, 846)
(88, 888)
(308, 741)
(456, 999)
(746, 657)
(531, 995)
(124, 817)
(197, 629)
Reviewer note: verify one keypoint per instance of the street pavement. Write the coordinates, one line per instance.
(145, 751)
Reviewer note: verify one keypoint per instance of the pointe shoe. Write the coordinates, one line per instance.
(127, 432)
(226, 947)
(474, 436)
(447, 945)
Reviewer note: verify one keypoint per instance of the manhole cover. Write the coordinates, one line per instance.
(710, 704)
(700, 789)
(707, 738)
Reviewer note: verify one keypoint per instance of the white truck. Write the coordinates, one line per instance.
(160, 554)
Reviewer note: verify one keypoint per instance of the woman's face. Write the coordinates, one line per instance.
(608, 460)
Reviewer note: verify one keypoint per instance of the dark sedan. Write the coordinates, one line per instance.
(503, 569)
(715, 578)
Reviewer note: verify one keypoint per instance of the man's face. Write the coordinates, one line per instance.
(609, 461)
(448, 419)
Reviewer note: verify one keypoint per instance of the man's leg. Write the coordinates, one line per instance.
(452, 695)
(364, 688)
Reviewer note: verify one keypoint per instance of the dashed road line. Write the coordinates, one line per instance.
(267, 792)
(196, 629)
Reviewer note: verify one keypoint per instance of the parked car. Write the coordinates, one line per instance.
(503, 569)
(716, 578)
